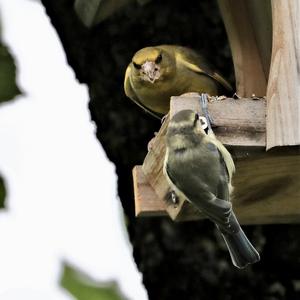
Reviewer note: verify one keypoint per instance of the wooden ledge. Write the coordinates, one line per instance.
(267, 188)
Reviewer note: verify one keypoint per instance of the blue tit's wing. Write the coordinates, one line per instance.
(130, 93)
(226, 156)
(224, 178)
(199, 176)
(216, 209)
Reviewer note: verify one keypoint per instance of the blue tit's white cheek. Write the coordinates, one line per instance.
(199, 128)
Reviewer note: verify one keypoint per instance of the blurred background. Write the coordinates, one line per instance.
(60, 220)
(62, 229)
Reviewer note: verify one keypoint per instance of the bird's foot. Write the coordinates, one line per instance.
(163, 119)
(204, 108)
(174, 198)
(236, 96)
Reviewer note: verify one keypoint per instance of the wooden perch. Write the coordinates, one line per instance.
(249, 29)
(267, 186)
(261, 32)
(147, 203)
(283, 110)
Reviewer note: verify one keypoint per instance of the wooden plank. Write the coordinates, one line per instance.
(238, 122)
(147, 203)
(283, 109)
(266, 188)
(266, 184)
(246, 45)
(260, 13)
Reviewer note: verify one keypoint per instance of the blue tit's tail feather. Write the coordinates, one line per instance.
(241, 250)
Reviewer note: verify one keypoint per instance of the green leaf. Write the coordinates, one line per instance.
(82, 287)
(2, 193)
(92, 12)
(8, 86)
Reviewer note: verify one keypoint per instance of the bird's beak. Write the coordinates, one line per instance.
(150, 71)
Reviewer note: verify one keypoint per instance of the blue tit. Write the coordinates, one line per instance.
(157, 73)
(199, 168)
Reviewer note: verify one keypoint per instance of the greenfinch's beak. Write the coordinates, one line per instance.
(150, 71)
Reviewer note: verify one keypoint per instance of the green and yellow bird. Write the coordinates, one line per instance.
(157, 73)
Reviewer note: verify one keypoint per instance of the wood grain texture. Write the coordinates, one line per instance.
(249, 36)
(283, 95)
(147, 203)
(260, 13)
(266, 188)
(238, 122)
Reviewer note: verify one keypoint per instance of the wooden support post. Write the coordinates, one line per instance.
(266, 185)
(249, 29)
(283, 109)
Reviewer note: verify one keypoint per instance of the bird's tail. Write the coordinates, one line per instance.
(241, 250)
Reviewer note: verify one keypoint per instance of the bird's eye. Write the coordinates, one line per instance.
(158, 59)
(203, 122)
(137, 66)
(196, 119)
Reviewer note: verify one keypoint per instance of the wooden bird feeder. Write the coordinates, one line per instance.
(264, 37)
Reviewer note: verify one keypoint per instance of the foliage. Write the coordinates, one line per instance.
(8, 90)
(82, 287)
(2, 193)
(8, 86)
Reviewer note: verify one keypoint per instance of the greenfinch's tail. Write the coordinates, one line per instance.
(226, 85)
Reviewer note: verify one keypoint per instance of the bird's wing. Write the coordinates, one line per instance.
(226, 156)
(192, 183)
(129, 91)
(196, 63)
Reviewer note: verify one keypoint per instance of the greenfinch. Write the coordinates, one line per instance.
(200, 169)
(157, 73)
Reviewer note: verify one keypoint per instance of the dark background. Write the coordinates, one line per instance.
(178, 260)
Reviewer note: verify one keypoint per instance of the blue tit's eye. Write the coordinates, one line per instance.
(203, 123)
(137, 66)
(196, 119)
(158, 59)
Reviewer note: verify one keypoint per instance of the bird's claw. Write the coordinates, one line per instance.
(204, 108)
(174, 198)
(163, 119)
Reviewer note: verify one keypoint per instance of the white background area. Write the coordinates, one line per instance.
(62, 194)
